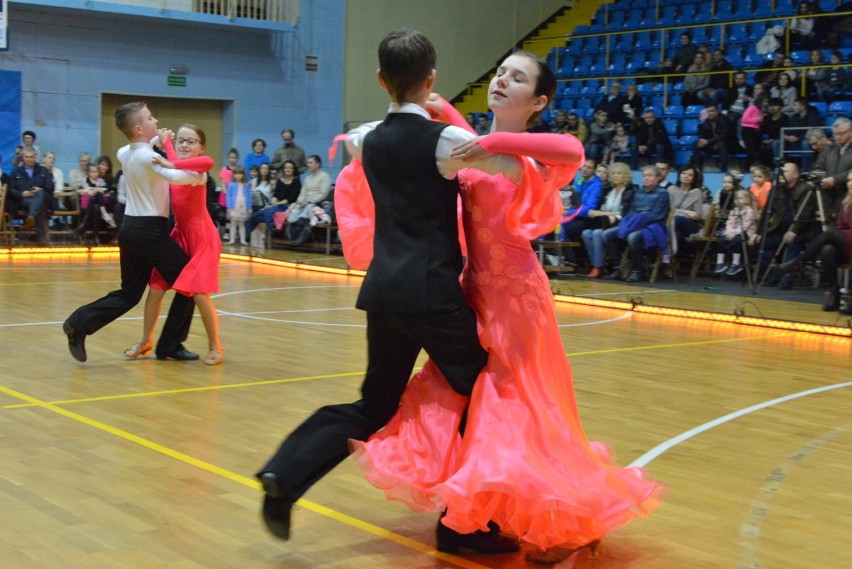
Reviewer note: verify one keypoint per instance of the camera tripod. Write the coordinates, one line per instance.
(820, 211)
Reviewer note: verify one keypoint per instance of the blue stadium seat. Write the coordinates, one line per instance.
(692, 111)
(687, 140)
(644, 89)
(624, 43)
(671, 127)
(658, 101)
(840, 109)
(674, 112)
(689, 127)
(752, 61)
(676, 100)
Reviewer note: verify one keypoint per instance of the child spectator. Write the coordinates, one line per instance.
(238, 201)
(742, 223)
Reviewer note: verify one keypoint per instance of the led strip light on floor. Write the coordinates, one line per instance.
(632, 305)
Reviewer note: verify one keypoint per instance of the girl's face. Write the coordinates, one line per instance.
(264, 170)
(687, 177)
(289, 171)
(49, 160)
(94, 172)
(816, 56)
(727, 183)
(602, 172)
(232, 158)
(103, 167)
(188, 143)
(757, 177)
(239, 177)
(512, 90)
(743, 199)
(783, 80)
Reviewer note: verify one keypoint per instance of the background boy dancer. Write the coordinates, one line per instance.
(143, 240)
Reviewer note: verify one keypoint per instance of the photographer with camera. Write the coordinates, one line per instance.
(832, 247)
(836, 161)
(790, 221)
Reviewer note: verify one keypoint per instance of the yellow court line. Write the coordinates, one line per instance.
(243, 480)
(358, 373)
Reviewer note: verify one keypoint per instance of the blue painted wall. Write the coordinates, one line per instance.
(68, 58)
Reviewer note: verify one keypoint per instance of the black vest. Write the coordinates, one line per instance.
(416, 255)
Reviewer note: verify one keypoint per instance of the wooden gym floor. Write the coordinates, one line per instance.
(146, 464)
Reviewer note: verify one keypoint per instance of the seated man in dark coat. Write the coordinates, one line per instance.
(717, 134)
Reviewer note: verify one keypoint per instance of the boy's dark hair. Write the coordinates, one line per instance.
(316, 157)
(126, 117)
(776, 102)
(28, 132)
(406, 59)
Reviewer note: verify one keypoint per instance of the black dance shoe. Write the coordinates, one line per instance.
(277, 507)
(182, 355)
(486, 542)
(76, 342)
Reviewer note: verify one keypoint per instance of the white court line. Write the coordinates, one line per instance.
(627, 314)
(626, 293)
(661, 448)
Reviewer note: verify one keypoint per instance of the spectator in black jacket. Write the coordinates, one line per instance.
(613, 103)
(652, 140)
(716, 134)
(717, 91)
(31, 189)
(685, 55)
(804, 118)
(770, 131)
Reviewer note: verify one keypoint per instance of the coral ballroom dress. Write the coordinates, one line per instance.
(194, 231)
(524, 461)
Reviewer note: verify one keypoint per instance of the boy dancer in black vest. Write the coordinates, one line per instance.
(411, 292)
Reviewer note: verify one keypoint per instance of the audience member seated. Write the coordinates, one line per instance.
(577, 127)
(585, 198)
(651, 141)
(287, 189)
(315, 189)
(802, 33)
(761, 183)
(836, 82)
(717, 90)
(616, 200)
(696, 82)
(836, 161)
(634, 107)
(31, 190)
(642, 227)
(687, 201)
(768, 74)
(725, 198)
(560, 122)
(93, 204)
(785, 91)
(739, 96)
(778, 227)
(613, 104)
(831, 248)
(257, 155)
(483, 125)
(261, 188)
(815, 76)
(740, 232)
(289, 150)
(770, 132)
(685, 54)
(715, 135)
(600, 136)
(665, 166)
(49, 162)
(619, 146)
(804, 118)
(77, 176)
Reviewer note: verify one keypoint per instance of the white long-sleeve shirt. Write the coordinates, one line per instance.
(147, 183)
(450, 137)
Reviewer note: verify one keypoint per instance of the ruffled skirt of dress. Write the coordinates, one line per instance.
(524, 461)
(199, 238)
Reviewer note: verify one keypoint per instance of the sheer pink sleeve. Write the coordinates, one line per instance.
(356, 215)
(537, 207)
(453, 117)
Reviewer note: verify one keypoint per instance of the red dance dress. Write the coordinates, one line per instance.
(524, 461)
(194, 231)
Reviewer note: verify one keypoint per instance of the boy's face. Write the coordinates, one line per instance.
(147, 123)
(28, 140)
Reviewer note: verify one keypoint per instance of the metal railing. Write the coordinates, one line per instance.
(284, 11)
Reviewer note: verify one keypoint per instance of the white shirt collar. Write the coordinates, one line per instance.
(408, 108)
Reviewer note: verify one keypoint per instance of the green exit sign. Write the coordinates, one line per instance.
(176, 81)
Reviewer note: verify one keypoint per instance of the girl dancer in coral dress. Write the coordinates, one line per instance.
(524, 461)
(196, 233)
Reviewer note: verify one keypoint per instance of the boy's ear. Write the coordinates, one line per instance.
(430, 81)
(382, 83)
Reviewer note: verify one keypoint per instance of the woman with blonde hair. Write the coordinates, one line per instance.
(614, 203)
